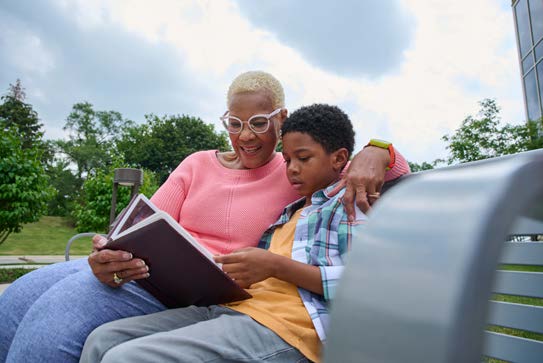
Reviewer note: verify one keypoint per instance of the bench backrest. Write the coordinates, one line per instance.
(520, 314)
(418, 280)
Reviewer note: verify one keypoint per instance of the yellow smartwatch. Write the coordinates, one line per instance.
(385, 145)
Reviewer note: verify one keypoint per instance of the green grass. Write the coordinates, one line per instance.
(11, 274)
(48, 236)
(528, 268)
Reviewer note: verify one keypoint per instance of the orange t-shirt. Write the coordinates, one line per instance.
(277, 305)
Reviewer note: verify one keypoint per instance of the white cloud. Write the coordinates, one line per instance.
(463, 52)
(460, 52)
(349, 35)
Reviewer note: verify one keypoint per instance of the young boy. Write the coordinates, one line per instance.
(292, 277)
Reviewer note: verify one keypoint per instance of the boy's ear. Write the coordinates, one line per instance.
(340, 158)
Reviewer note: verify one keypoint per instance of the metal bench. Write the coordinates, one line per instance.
(418, 281)
(75, 238)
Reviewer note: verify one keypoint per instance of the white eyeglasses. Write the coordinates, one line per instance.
(257, 123)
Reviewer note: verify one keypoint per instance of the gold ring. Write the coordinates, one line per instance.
(374, 195)
(117, 279)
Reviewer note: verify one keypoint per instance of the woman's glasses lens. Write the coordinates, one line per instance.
(233, 125)
(257, 124)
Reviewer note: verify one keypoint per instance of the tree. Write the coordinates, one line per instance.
(420, 167)
(15, 113)
(482, 137)
(24, 187)
(91, 137)
(66, 186)
(92, 210)
(17, 91)
(162, 143)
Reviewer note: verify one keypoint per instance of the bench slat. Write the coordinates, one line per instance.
(522, 253)
(519, 283)
(517, 316)
(513, 349)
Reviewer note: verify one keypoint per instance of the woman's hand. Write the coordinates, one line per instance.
(108, 264)
(248, 265)
(364, 179)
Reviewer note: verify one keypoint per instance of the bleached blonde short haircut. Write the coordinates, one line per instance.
(254, 81)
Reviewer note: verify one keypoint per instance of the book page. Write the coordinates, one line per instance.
(139, 209)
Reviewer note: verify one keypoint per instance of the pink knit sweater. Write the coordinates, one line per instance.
(227, 209)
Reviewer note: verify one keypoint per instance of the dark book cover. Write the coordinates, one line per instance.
(180, 273)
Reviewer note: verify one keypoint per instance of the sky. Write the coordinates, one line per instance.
(407, 71)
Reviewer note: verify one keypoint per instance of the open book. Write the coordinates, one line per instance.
(182, 272)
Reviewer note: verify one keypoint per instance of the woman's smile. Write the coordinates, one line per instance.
(251, 150)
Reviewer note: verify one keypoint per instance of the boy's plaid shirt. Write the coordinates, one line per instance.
(322, 237)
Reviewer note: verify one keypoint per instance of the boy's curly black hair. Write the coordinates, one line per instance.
(328, 125)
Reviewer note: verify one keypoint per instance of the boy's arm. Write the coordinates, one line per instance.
(330, 246)
(250, 265)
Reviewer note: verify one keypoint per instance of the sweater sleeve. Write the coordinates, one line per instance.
(400, 167)
(171, 195)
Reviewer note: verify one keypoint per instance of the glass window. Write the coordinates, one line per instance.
(539, 51)
(536, 14)
(523, 27)
(540, 76)
(527, 63)
(532, 101)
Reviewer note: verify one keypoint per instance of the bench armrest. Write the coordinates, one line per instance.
(73, 239)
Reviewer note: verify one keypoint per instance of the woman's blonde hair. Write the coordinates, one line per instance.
(254, 81)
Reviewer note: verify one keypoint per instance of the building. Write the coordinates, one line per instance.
(528, 16)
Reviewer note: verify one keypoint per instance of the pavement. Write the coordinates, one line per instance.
(30, 262)
(45, 260)
(3, 287)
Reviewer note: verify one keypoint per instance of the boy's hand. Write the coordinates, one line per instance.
(248, 265)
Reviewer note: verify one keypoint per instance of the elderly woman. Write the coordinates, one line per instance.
(225, 200)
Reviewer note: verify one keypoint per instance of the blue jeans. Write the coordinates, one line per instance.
(193, 334)
(46, 315)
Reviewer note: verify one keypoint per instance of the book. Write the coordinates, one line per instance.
(182, 271)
